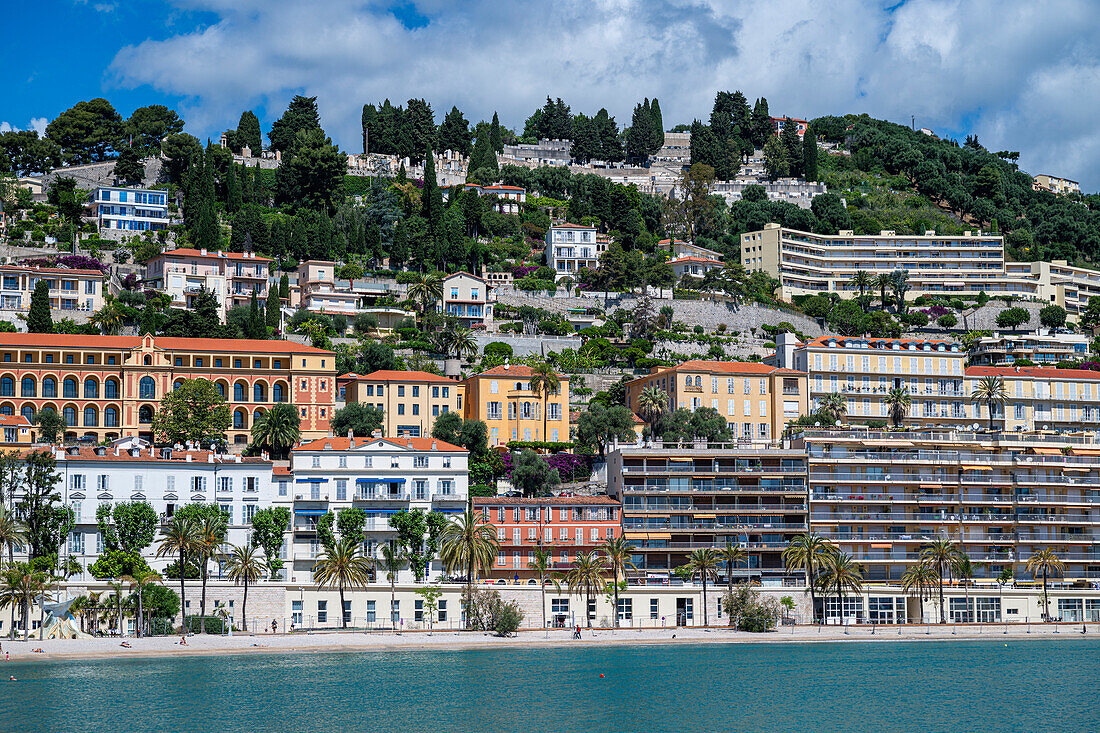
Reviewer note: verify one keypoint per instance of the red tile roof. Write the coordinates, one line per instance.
(507, 501)
(570, 226)
(399, 376)
(88, 453)
(1034, 372)
(213, 255)
(57, 270)
(15, 421)
(463, 272)
(417, 444)
(705, 260)
(729, 367)
(169, 343)
(512, 370)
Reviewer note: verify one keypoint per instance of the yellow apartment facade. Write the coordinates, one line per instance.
(410, 401)
(502, 398)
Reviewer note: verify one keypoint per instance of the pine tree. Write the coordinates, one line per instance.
(454, 133)
(205, 232)
(494, 135)
(809, 154)
(640, 136)
(761, 123)
(401, 176)
(272, 308)
(39, 318)
(232, 190)
(248, 132)
(483, 158)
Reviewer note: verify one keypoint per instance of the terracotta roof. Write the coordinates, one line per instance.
(1035, 372)
(88, 453)
(706, 260)
(728, 367)
(463, 272)
(213, 255)
(543, 500)
(570, 226)
(674, 241)
(409, 376)
(512, 370)
(504, 188)
(280, 471)
(417, 444)
(169, 343)
(15, 421)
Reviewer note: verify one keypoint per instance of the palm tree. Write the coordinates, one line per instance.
(12, 532)
(246, 565)
(833, 407)
(458, 342)
(731, 555)
(882, 282)
(652, 403)
(469, 544)
(391, 563)
(211, 534)
(841, 573)
(138, 581)
(861, 280)
(807, 552)
(899, 283)
(109, 318)
(278, 429)
(426, 290)
(991, 391)
(18, 582)
(1046, 562)
(541, 565)
(704, 563)
(587, 576)
(898, 401)
(941, 555)
(618, 552)
(919, 578)
(544, 382)
(342, 565)
(117, 587)
(180, 537)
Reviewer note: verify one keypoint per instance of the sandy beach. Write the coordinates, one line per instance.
(359, 641)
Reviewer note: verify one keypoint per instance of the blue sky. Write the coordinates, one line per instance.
(1022, 75)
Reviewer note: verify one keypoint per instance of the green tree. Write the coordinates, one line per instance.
(248, 132)
(417, 132)
(898, 402)
(361, 419)
(272, 310)
(181, 153)
(212, 527)
(495, 140)
(343, 566)
(731, 555)
(541, 563)
(412, 527)
(51, 426)
(277, 430)
(792, 145)
(39, 317)
(148, 125)
(129, 168)
(244, 565)
(841, 573)
(600, 425)
(300, 116)
(919, 578)
(776, 165)
(47, 521)
(180, 537)
(12, 532)
(268, 527)
(87, 132)
(586, 576)
(390, 563)
(990, 390)
(469, 545)
(532, 475)
(138, 582)
(233, 196)
(1045, 563)
(544, 382)
(1052, 316)
(1013, 318)
(653, 402)
(125, 530)
(454, 133)
(194, 410)
(704, 563)
(809, 154)
(312, 175)
(619, 553)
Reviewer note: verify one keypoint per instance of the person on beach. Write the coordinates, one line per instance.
(125, 644)
(274, 625)
(577, 632)
(183, 641)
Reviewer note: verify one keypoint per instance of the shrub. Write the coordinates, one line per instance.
(1013, 318)
(212, 625)
(698, 330)
(747, 611)
(947, 321)
(958, 304)
(488, 612)
(722, 328)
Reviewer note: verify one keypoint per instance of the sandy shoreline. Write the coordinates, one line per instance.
(352, 641)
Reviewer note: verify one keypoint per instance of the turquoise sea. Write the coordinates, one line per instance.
(930, 686)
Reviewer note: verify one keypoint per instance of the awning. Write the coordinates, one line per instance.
(931, 486)
(311, 480)
(888, 443)
(1083, 469)
(635, 535)
(380, 480)
(968, 467)
(660, 536)
(310, 512)
(881, 547)
(1085, 451)
(680, 460)
(705, 515)
(450, 511)
(1048, 451)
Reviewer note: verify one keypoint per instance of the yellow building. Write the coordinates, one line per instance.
(757, 400)
(1039, 398)
(502, 398)
(410, 401)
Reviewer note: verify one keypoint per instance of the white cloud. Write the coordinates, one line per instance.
(1024, 76)
(37, 123)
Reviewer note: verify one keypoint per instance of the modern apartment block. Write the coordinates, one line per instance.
(232, 277)
(757, 400)
(410, 401)
(1055, 184)
(571, 247)
(502, 398)
(128, 211)
(679, 499)
(380, 476)
(1041, 347)
(883, 496)
(468, 298)
(563, 525)
(70, 290)
(106, 387)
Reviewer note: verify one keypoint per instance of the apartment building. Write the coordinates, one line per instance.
(134, 470)
(231, 276)
(126, 211)
(1041, 347)
(1039, 398)
(1055, 184)
(678, 499)
(468, 298)
(381, 476)
(563, 525)
(18, 430)
(678, 248)
(502, 398)
(571, 247)
(883, 496)
(757, 400)
(696, 267)
(864, 370)
(106, 387)
(70, 290)
(779, 122)
(410, 401)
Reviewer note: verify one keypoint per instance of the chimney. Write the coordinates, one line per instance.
(203, 251)
(210, 458)
(376, 434)
(187, 457)
(118, 451)
(434, 446)
(351, 435)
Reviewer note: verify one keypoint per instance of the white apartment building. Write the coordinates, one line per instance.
(1041, 347)
(379, 475)
(571, 247)
(121, 210)
(231, 276)
(70, 290)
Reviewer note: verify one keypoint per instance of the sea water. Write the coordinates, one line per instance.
(788, 687)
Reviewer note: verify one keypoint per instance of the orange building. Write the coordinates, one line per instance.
(502, 398)
(106, 387)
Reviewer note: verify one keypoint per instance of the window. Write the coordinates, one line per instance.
(29, 387)
(296, 613)
(103, 482)
(70, 389)
(559, 605)
(147, 388)
(316, 461)
(372, 612)
(49, 387)
(282, 488)
(395, 612)
(322, 612)
(198, 483)
(654, 608)
(110, 389)
(225, 483)
(626, 609)
(341, 489)
(442, 608)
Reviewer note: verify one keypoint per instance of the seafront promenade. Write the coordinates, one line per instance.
(358, 641)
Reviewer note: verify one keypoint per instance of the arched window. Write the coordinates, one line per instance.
(69, 413)
(698, 381)
(148, 360)
(145, 414)
(147, 388)
(7, 387)
(110, 417)
(30, 388)
(278, 392)
(177, 384)
(110, 389)
(91, 417)
(221, 389)
(49, 387)
(259, 392)
(240, 420)
(70, 387)
(27, 412)
(91, 389)
(240, 392)
(526, 410)
(256, 415)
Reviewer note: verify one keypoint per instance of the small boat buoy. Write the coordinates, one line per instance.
(601, 674)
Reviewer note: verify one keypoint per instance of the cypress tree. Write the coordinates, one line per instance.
(39, 318)
(272, 304)
(259, 190)
(792, 145)
(248, 132)
(399, 252)
(809, 154)
(370, 126)
(149, 320)
(284, 287)
(232, 190)
(761, 123)
(658, 128)
(494, 135)
(255, 328)
(401, 176)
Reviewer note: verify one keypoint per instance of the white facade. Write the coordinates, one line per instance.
(381, 476)
(468, 298)
(130, 209)
(571, 247)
